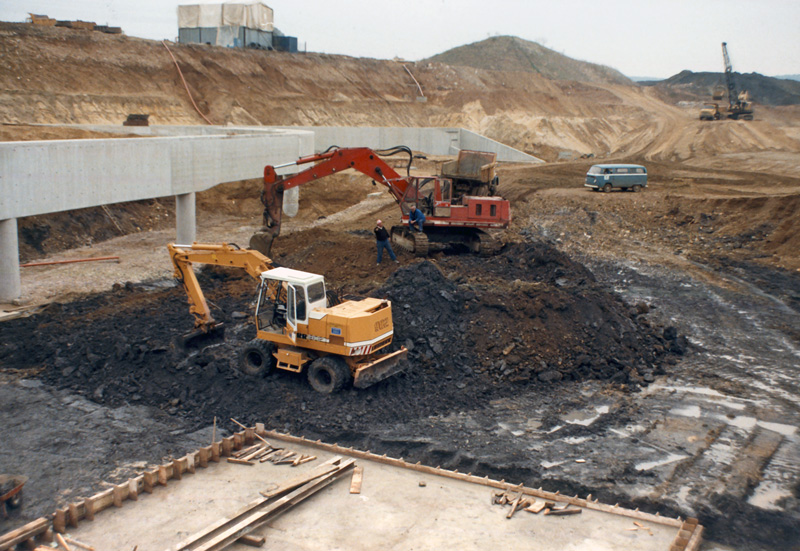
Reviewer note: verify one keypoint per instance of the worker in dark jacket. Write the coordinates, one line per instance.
(382, 239)
(415, 217)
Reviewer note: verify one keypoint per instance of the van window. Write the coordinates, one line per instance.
(639, 170)
(595, 170)
(622, 171)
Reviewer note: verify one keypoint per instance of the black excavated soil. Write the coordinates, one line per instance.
(476, 330)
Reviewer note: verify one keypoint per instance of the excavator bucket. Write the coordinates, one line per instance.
(199, 338)
(380, 367)
(261, 241)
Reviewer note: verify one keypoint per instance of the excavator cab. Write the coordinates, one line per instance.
(286, 298)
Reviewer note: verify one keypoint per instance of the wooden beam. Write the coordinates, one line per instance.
(23, 533)
(355, 483)
(252, 541)
(230, 530)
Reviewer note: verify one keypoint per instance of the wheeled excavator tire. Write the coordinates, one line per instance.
(329, 374)
(256, 358)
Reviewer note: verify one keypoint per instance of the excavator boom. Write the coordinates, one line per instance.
(225, 254)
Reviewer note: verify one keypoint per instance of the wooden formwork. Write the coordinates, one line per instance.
(688, 537)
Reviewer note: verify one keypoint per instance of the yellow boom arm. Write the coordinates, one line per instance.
(218, 254)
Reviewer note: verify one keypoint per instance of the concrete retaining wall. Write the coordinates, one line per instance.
(58, 175)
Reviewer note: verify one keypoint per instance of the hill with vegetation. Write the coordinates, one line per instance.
(509, 53)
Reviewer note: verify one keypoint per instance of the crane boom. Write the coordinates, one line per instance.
(729, 81)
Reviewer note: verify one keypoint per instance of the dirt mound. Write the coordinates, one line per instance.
(689, 86)
(509, 53)
(536, 319)
(530, 315)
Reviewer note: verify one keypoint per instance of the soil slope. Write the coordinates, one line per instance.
(57, 75)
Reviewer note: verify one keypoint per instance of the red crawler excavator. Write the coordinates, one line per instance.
(460, 205)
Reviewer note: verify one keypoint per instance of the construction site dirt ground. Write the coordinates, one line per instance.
(643, 348)
(653, 365)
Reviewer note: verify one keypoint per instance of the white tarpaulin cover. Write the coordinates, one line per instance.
(253, 16)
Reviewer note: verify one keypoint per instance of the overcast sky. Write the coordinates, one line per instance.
(638, 37)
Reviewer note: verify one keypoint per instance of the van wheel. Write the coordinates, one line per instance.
(607, 188)
(637, 189)
(329, 374)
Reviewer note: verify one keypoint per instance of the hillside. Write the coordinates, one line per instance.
(690, 86)
(52, 75)
(509, 53)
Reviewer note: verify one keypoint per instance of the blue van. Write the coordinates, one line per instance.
(611, 177)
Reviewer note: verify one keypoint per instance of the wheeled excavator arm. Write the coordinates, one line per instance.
(334, 160)
(218, 254)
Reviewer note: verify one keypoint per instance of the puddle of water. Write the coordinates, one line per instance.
(554, 429)
(687, 411)
(767, 494)
(671, 458)
(780, 428)
(575, 439)
(585, 418)
(551, 464)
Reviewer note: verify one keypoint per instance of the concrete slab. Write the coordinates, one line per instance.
(393, 511)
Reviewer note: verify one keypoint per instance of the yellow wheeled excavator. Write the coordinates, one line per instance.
(298, 325)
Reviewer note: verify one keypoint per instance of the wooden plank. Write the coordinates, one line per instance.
(240, 525)
(162, 475)
(355, 483)
(215, 452)
(88, 506)
(59, 522)
(11, 539)
(563, 512)
(190, 462)
(62, 543)
(240, 461)
(202, 457)
(150, 480)
(120, 493)
(76, 543)
(72, 514)
(535, 507)
(252, 541)
(245, 451)
(207, 532)
(103, 500)
(514, 506)
(133, 488)
(322, 469)
(259, 449)
(306, 459)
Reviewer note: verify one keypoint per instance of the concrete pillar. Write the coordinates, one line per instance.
(185, 221)
(10, 286)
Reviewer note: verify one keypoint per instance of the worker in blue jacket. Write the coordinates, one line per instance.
(415, 217)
